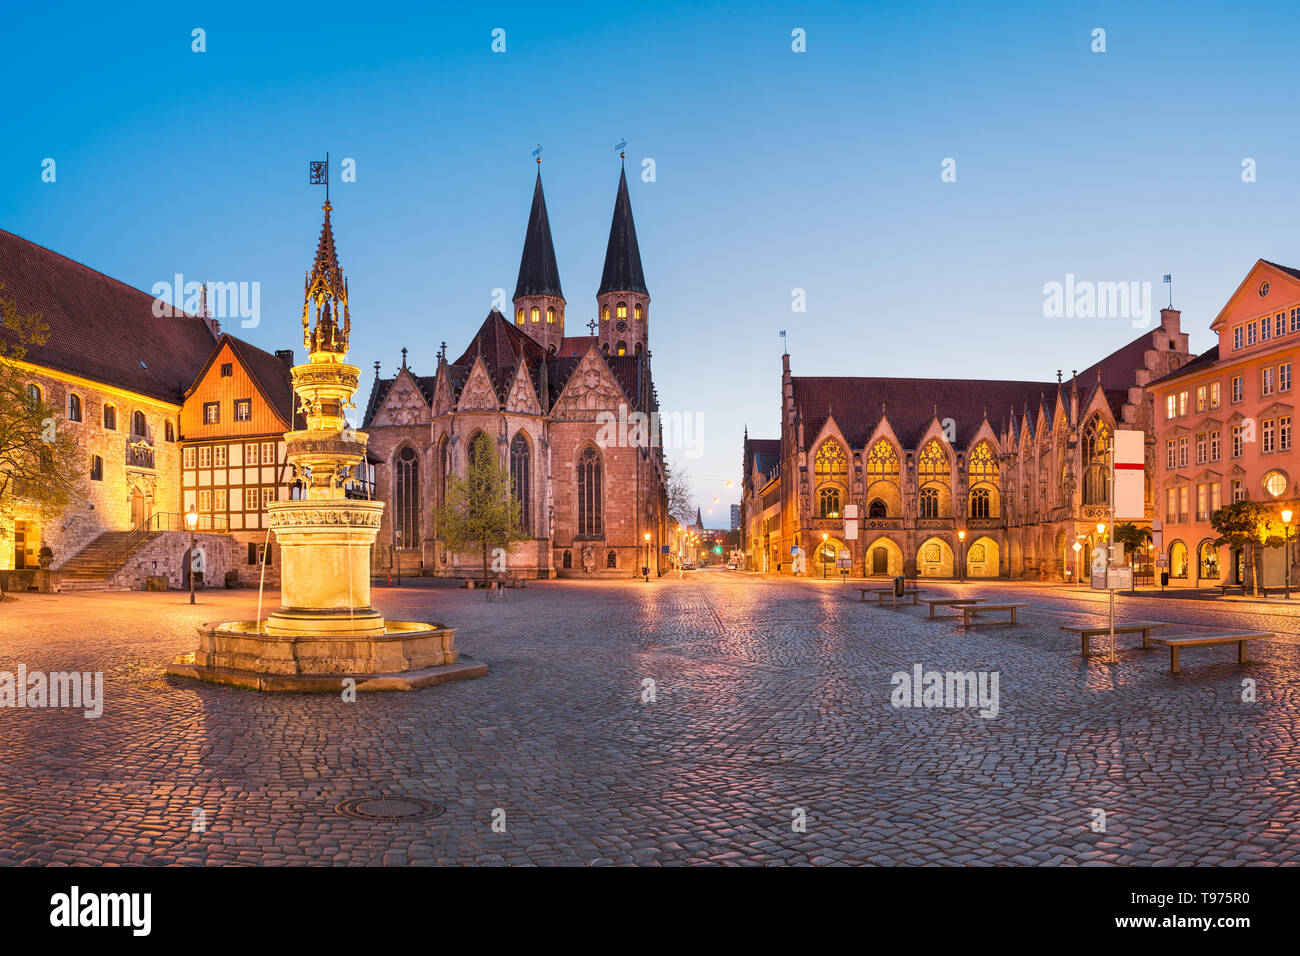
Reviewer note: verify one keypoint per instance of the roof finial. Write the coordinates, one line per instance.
(1058, 376)
(320, 176)
(442, 352)
(622, 151)
(376, 371)
(592, 325)
(537, 154)
(403, 357)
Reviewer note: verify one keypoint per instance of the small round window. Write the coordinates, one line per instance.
(1275, 483)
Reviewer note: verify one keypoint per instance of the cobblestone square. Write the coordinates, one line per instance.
(771, 697)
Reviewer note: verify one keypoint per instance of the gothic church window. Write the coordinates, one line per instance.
(929, 503)
(1096, 449)
(589, 493)
(407, 502)
(520, 459)
(979, 503)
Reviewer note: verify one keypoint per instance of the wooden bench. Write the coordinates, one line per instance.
(969, 611)
(1225, 588)
(1089, 631)
(882, 593)
(950, 602)
(1176, 644)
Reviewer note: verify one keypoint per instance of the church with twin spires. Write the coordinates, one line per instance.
(589, 508)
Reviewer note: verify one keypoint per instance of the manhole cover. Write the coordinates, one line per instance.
(388, 808)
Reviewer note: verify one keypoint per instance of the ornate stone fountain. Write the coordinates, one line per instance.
(326, 630)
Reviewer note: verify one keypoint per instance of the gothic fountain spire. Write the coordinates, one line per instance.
(327, 295)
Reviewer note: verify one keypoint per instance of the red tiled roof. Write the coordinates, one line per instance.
(100, 328)
(911, 404)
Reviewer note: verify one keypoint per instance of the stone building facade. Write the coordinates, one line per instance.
(1224, 432)
(949, 477)
(558, 408)
(128, 380)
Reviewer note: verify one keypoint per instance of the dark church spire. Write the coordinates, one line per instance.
(622, 257)
(538, 273)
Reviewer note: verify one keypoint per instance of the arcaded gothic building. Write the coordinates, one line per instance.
(587, 502)
(1021, 467)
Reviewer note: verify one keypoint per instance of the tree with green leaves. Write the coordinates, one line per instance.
(1131, 537)
(480, 510)
(1250, 526)
(40, 457)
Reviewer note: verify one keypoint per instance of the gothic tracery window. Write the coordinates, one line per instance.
(882, 463)
(1096, 463)
(979, 503)
(407, 498)
(520, 460)
(929, 503)
(589, 493)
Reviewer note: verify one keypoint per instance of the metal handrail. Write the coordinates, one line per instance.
(158, 521)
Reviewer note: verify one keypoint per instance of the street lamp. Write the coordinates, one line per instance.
(961, 542)
(1077, 548)
(1286, 531)
(646, 567)
(824, 537)
(191, 521)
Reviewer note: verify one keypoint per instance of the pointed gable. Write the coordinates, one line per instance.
(590, 388)
(478, 392)
(1267, 288)
(404, 404)
(522, 397)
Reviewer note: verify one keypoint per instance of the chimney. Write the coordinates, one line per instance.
(1171, 320)
(285, 356)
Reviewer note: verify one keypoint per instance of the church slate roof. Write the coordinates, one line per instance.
(538, 273)
(622, 271)
(102, 329)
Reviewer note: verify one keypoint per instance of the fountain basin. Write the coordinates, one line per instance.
(405, 655)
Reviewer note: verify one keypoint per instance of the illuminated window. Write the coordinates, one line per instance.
(1202, 398)
(622, 310)
(979, 503)
(536, 314)
(604, 314)
(205, 456)
(933, 465)
(828, 502)
(636, 312)
(550, 316)
(1171, 406)
(1275, 483)
(882, 463)
(622, 348)
(1215, 395)
(243, 409)
(519, 317)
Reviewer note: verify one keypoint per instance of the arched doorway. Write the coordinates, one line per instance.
(982, 558)
(139, 508)
(884, 557)
(1178, 560)
(934, 559)
(822, 558)
(1207, 563)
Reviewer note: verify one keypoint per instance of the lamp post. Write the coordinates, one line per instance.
(191, 521)
(645, 569)
(961, 547)
(825, 536)
(1286, 532)
(1077, 548)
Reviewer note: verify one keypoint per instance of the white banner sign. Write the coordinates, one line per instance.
(1130, 487)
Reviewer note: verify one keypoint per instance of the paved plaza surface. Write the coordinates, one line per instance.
(770, 696)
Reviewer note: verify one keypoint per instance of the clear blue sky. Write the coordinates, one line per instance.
(775, 170)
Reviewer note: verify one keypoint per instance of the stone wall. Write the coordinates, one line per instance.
(164, 555)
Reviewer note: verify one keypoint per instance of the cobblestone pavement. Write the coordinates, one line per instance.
(770, 695)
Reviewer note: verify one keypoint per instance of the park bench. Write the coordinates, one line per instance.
(882, 593)
(950, 602)
(1089, 631)
(969, 611)
(1225, 588)
(1176, 644)
(876, 589)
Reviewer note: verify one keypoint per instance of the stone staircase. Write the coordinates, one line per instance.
(86, 570)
